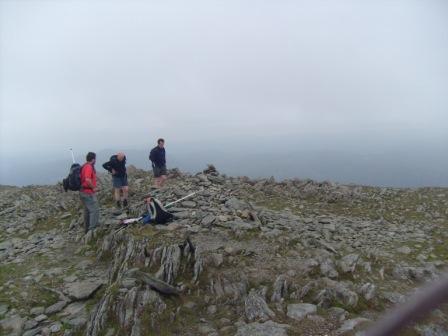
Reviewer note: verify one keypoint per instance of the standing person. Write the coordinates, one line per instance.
(88, 193)
(117, 167)
(157, 158)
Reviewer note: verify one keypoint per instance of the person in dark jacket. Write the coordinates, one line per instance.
(158, 160)
(117, 167)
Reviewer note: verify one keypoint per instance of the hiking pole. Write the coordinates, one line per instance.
(73, 156)
(181, 199)
(421, 304)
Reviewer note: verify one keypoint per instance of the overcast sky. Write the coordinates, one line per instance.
(119, 74)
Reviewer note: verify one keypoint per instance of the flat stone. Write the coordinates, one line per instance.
(70, 278)
(32, 332)
(78, 322)
(30, 324)
(404, 250)
(298, 311)
(55, 308)
(37, 311)
(268, 328)
(40, 318)
(74, 309)
(82, 290)
(350, 325)
(208, 220)
(55, 327)
(189, 204)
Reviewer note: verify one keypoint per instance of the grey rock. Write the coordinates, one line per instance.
(368, 291)
(40, 318)
(256, 307)
(30, 324)
(54, 328)
(128, 283)
(14, 324)
(348, 263)
(37, 311)
(298, 311)
(77, 323)
(327, 269)
(280, 289)
(339, 313)
(394, 297)
(82, 290)
(431, 330)
(56, 308)
(236, 204)
(404, 250)
(350, 325)
(32, 332)
(189, 204)
(208, 220)
(268, 328)
(170, 264)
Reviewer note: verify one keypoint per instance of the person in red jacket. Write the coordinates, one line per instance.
(88, 193)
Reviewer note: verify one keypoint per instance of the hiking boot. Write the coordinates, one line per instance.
(118, 205)
(125, 203)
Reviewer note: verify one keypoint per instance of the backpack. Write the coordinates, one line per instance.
(158, 213)
(73, 180)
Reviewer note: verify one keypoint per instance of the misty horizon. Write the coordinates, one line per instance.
(414, 165)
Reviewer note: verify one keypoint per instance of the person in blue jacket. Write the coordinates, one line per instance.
(158, 160)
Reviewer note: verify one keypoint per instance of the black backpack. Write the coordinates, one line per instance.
(159, 215)
(73, 180)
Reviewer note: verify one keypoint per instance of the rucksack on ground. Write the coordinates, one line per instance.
(73, 180)
(159, 215)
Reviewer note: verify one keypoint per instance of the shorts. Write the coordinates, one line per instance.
(159, 171)
(120, 181)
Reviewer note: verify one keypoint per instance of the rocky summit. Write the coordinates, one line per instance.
(243, 257)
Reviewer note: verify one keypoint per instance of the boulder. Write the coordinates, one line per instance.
(299, 311)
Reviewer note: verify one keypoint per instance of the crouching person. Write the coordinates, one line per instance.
(88, 193)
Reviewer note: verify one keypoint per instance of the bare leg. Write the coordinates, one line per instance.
(157, 182)
(117, 197)
(125, 191)
(163, 178)
(117, 194)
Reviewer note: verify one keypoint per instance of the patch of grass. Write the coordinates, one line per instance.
(25, 294)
